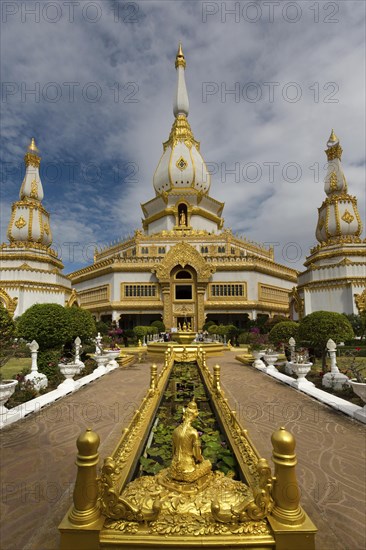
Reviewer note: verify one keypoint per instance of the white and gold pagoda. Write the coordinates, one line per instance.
(183, 265)
(335, 275)
(30, 270)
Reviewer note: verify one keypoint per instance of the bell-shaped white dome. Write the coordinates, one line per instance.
(181, 165)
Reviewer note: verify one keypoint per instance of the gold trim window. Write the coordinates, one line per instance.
(269, 293)
(227, 289)
(140, 291)
(94, 295)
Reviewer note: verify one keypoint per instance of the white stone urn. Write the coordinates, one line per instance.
(69, 370)
(112, 356)
(360, 389)
(7, 388)
(301, 370)
(101, 361)
(258, 363)
(271, 358)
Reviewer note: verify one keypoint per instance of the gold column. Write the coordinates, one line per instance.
(167, 305)
(86, 510)
(286, 493)
(201, 289)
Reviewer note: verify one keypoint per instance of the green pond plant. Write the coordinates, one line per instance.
(184, 384)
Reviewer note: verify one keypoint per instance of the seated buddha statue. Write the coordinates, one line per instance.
(188, 464)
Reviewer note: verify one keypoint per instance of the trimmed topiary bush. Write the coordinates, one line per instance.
(316, 329)
(81, 323)
(159, 325)
(48, 324)
(282, 332)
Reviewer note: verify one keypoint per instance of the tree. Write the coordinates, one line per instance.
(283, 331)
(159, 325)
(140, 331)
(81, 323)
(316, 329)
(48, 324)
(7, 333)
(358, 323)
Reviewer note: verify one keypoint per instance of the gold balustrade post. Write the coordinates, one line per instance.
(216, 380)
(153, 377)
(286, 493)
(85, 510)
(80, 528)
(291, 525)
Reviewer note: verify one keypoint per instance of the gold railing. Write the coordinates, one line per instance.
(94, 521)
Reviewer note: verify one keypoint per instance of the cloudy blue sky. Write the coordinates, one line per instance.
(103, 78)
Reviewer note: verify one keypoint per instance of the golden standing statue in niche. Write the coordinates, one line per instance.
(182, 218)
(188, 463)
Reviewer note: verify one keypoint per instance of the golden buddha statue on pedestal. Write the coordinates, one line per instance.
(188, 464)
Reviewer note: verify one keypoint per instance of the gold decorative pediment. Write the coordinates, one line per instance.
(9, 303)
(297, 301)
(360, 300)
(183, 254)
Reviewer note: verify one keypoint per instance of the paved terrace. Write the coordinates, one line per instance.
(38, 454)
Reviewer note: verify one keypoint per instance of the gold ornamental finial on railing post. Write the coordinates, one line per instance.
(86, 510)
(286, 492)
(216, 380)
(153, 377)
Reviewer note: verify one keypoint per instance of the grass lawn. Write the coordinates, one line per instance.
(14, 366)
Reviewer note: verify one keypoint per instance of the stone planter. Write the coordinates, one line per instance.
(101, 361)
(301, 370)
(271, 359)
(359, 389)
(112, 356)
(7, 388)
(258, 363)
(69, 370)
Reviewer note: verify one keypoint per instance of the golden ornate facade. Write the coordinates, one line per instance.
(183, 264)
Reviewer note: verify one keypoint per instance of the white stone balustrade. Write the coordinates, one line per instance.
(334, 379)
(292, 346)
(38, 379)
(78, 347)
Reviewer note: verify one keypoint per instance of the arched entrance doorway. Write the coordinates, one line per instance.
(183, 288)
(183, 276)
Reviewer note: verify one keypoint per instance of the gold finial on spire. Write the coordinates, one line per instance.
(180, 59)
(32, 155)
(334, 150)
(332, 139)
(32, 148)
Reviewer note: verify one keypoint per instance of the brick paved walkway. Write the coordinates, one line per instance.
(38, 454)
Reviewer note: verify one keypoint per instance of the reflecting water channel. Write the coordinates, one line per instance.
(184, 384)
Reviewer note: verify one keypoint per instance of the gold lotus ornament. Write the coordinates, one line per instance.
(20, 223)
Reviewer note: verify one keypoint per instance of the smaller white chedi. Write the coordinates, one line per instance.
(30, 270)
(335, 275)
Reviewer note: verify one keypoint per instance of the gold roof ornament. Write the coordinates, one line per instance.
(334, 150)
(32, 147)
(180, 60)
(32, 156)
